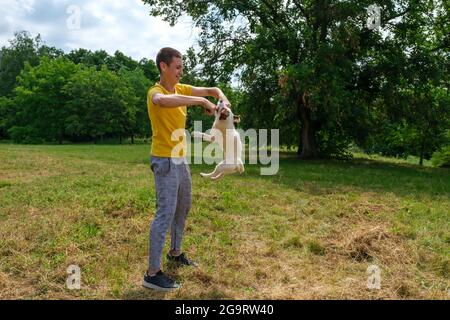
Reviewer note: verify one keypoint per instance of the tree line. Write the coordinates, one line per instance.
(49, 96)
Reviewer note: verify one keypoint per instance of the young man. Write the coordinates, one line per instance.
(167, 103)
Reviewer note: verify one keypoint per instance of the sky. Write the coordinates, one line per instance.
(110, 25)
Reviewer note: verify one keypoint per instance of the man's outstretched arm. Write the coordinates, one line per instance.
(176, 100)
(211, 92)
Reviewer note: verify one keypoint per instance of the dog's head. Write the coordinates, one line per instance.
(224, 113)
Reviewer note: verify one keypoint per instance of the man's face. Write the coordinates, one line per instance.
(174, 71)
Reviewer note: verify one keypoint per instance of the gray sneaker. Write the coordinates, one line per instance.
(159, 282)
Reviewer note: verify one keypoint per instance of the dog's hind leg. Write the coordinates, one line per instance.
(216, 171)
(217, 177)
(209, 175)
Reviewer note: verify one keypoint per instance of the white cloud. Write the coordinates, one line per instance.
(105, 24)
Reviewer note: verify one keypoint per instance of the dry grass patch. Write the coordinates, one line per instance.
(365, 243)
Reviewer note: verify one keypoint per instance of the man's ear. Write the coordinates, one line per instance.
(163, 66)
(237, 119)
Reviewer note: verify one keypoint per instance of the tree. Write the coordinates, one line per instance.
(22, 49)
(6, 109)
(426, 84)
(95, 59)
(39, 107)
(101, 102)
(59, 100)
(138, 85)
(300, 61)
(412, 91)
(80, 96)
(150, 70)
(120, 61)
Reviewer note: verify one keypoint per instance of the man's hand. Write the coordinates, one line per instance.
(211, 92)
(209, 107)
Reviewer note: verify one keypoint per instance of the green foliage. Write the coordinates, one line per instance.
(40, 101)
(102, 103)
(5, 110)
(59, 100)
(138, 83)
(95, 59)
(315, 71)
(117, 62)
(51, 97)
(23, 49)
(441, 158)
(25, 134)
(150, 70)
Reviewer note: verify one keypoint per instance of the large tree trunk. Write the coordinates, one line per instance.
(422, 150)
(307, 148)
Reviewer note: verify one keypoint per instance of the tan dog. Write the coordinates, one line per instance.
(224, 133)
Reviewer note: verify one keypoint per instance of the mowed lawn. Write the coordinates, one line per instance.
(310, 232)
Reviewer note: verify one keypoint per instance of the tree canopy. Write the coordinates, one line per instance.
(49, 96)
(316, 71)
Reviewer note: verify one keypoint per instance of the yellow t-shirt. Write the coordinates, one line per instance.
(166, 121)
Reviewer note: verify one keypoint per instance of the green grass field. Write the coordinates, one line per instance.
(310, 232)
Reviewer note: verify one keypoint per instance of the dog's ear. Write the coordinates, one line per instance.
(237, 119)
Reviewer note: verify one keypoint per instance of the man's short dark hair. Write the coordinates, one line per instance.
(166, 55)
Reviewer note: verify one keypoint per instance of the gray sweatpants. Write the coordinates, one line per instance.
(173, 202)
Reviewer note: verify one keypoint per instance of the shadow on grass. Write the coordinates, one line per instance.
(330, 176)
(142, 293)
(148, 294)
